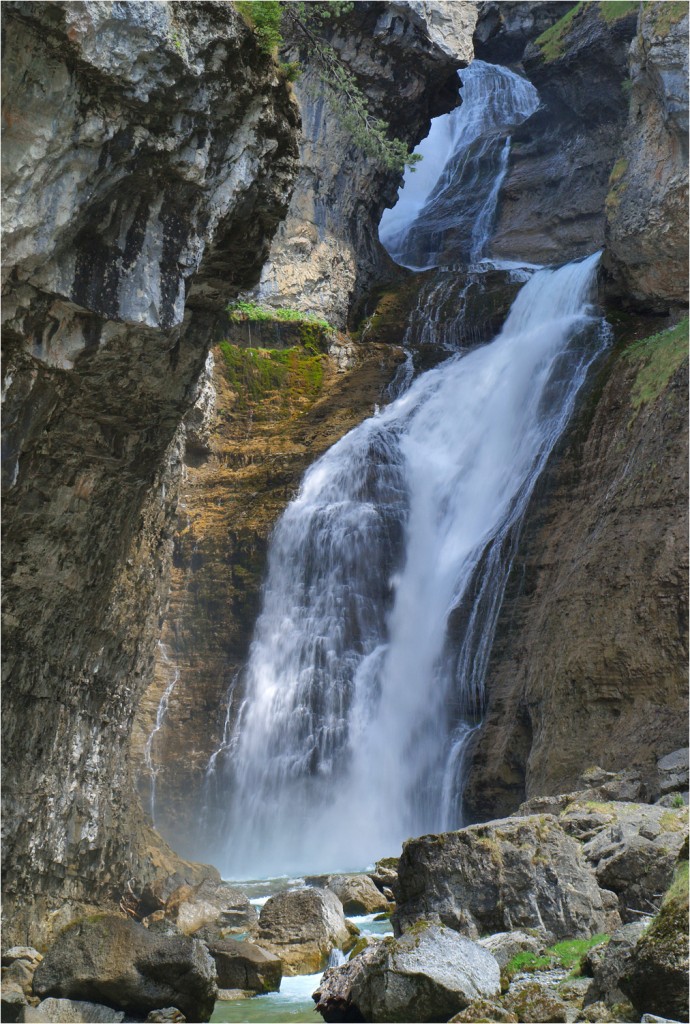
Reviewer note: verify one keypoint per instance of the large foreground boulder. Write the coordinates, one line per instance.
(113, 960)
(427, 975)
(501, 876)
(242, 965)
(656, 978)
(301, 927)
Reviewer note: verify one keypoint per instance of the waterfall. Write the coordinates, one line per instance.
(386, 573)
(385, 578)
(447, 203)
(161, 712)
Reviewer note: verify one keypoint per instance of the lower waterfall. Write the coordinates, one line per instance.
(385, 579)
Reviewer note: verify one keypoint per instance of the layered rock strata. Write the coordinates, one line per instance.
(149, 152)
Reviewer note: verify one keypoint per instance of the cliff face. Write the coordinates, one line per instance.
(647, 202)
(590, 661)
(149, 151)
(552, 200)
(404, 56)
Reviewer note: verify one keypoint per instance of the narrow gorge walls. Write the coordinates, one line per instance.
(150, 151)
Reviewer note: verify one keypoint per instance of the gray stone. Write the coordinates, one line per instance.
(534, 1003)
(27, 953)
(650, 1018)
(357, 893)
(243, 965)
(302, 926)
(608, 962)
(426, 975)
(505, 945)
(114, 959)
(481, 1010)
(635, 855)
(70, 1011)
(673, 771)
(168, 1015)
(500, 876)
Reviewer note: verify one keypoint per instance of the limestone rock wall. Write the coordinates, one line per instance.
(551, 207)
(149, 154)
(404, 56)
(647, 202)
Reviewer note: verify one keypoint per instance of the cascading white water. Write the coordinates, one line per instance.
(447, 203)
(162, 710)
(385, 579)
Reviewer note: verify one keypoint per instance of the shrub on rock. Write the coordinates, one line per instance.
(113, 960)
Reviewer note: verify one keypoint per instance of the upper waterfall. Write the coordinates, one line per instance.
(446, 205)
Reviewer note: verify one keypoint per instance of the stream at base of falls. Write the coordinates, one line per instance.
(293, 1001)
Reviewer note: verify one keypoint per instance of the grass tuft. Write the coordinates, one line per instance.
(659, 358)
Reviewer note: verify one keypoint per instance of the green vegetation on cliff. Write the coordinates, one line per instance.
(659, 358)
(665, 14)
(272, 382)
(553, 42)
(566, 954)
(243, 311)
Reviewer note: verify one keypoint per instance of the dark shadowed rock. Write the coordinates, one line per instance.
(116, 961)
(609, 961)
(500, 876)
(242, 965)
(656, 978)
(427, 975)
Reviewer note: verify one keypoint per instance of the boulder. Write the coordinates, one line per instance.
(426, 975)
(115, 960)
(214, 906)
(673, 772)
(515, 873)
(70, 1011)
(168, 1015)
(242, 965)
(385, 873)
(607, 963)
(505, 945)
(357, 893)
(481, 1010)
(533, 1002)
(17, 983)
(635, 855)
(302, 926)
(656, 973)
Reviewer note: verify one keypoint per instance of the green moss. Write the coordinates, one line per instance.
(566, 954)
(612, 10)
(241, 312)
(360, 945)
(618, 170)
(659, 358)
(665, 15)
(671, 821)
(678, 891)
(272, 381)
(552, 42)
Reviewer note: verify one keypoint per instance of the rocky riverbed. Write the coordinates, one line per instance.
(573, 909)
